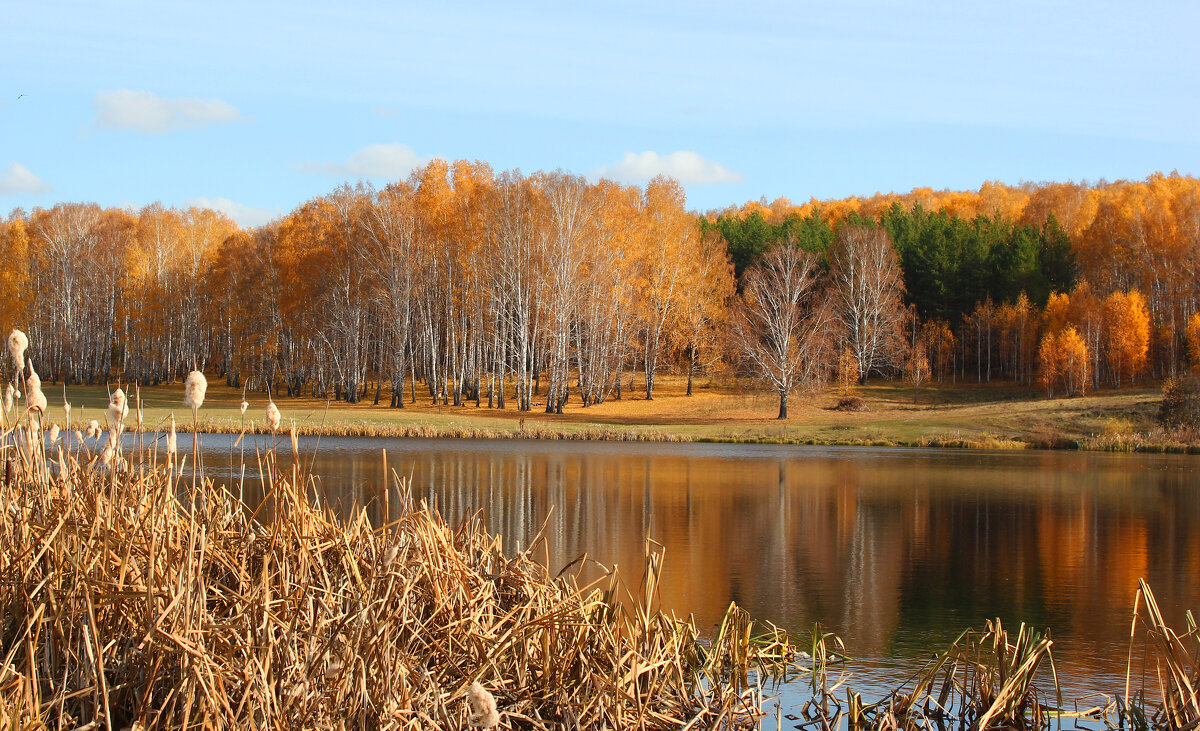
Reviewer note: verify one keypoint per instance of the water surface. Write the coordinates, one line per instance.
(896, 550)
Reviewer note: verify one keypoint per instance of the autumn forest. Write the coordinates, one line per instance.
(462, 284)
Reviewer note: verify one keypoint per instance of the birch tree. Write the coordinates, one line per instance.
(777, 323)
(866, 291)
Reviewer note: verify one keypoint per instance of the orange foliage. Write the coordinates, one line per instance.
(1063, 362)
(1127, 339)
(1193, 340)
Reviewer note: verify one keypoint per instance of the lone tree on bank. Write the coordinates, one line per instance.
(777, 324)
(867, 292)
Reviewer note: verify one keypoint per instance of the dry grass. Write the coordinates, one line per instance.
(991, 679)
(130, 596)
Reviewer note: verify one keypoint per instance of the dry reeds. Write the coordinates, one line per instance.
(1173, 667)
(130, 598)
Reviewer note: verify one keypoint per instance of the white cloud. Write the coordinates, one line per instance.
(392, 160)
(19, 179)
(245, 216)
(144, 111)
(683, 165)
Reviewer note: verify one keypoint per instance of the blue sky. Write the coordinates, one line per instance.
(257, 107)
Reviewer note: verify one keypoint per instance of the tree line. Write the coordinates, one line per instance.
(463, 284)
(458, 283)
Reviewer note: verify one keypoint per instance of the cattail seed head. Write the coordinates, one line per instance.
(171, 439)
(34, 398)
(273, 416)
(54, 431)
(9, 392)
(245, 405)
(92, 430)
(118, 409)
(193, 390)
(110, 447)
(67, 412)
(78, 436)
(18, 343)
(483, 707)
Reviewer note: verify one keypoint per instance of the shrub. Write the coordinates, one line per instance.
(1181, 403)
(852, 403)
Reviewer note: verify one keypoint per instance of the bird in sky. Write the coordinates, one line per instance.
(19, 96)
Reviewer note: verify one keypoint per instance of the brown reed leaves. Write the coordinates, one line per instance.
(128, 599)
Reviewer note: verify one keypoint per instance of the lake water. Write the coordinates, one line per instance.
(895, 550)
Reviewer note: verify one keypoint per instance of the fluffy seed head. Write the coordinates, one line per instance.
(483, 707)
(110, 447)
(34, 398)
(93, 429)
(18, 343)
(273, 416)
(67, 412)
(54, 431)
(245, 405)
(171, 440)
(118, 408)
(193, 390)
(9, 392)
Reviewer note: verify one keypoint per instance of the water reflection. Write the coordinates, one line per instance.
(895, 550)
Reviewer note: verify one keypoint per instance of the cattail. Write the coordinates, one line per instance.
(483, 707)
(110, 447)
(67, 412)
(273, 416)
(18, 343)
(78, 436)
(34, 398)
(9, 392)
(245, 405)
(193, 390)
(93, 429)
(54, 431)
(139, 414)
(171, 440)
(118, 409)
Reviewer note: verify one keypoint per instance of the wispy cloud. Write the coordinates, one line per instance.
(245, 216)
(146, 112)
(685, 166)
(391, 160)
(18, 179)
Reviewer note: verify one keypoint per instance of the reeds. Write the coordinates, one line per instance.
(1171, 669)
(129, 597)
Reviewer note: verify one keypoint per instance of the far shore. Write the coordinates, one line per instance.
(977, 416)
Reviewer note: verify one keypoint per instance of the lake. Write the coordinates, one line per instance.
(895, 550)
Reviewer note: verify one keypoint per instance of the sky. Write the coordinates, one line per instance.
(255, 107)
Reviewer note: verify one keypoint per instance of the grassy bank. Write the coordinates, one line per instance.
(971, 416)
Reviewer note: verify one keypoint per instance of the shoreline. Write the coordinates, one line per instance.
(961, 416)
(1127, 443)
